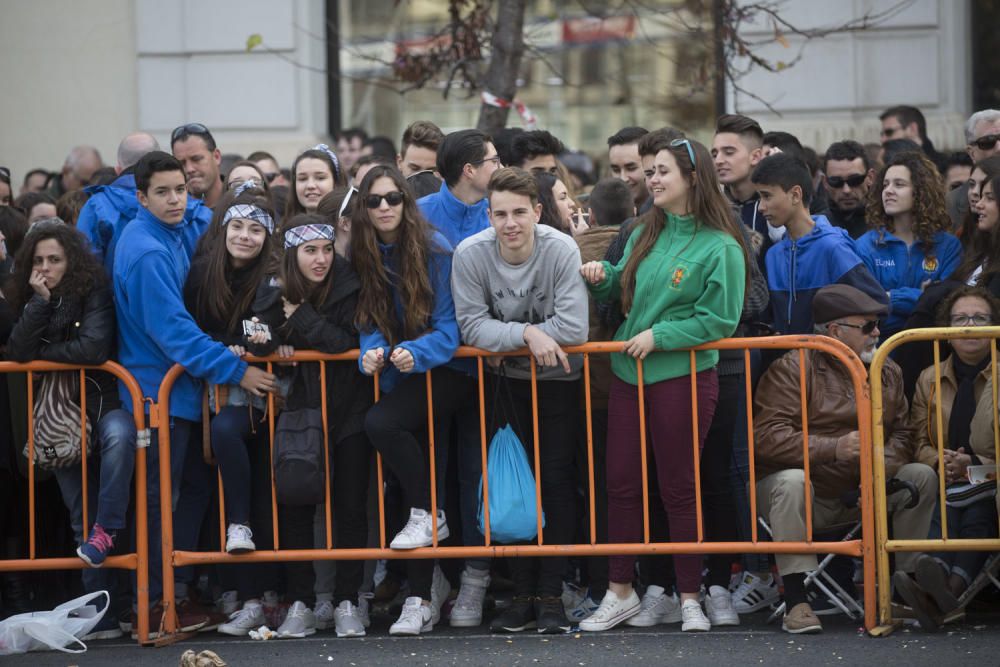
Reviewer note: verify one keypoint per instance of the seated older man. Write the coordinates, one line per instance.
(849, 315)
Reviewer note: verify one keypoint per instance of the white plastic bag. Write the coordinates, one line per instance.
(56, 629)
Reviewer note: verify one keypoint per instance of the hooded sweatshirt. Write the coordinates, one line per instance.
(155, 330)
(453, 217)
(437, 345)
(111, 207)
(798, 268)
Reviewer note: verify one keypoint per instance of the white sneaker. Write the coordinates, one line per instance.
(414, 619)
(693, 618)
(364, 603)
(583, 609)
(657, 607)
(242, 621)
(613, 610)
(299, 622)
(324, 615)
(239, 539)
(228, 603)
(754, 593)
(348, 621)
(467, 612)
(440, 590)
(719, 607)
(418, 532)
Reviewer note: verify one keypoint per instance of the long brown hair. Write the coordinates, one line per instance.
(295, 286)
(705, 201)
(216, 299)
(977, 245)
(406, 270)
(83, 271)
(929, 213)
(293, 206)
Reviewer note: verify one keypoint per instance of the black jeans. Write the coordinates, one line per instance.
(397, 427)
(558, 408)
(717, 494)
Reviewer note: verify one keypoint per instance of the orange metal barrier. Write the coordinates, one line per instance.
(862, 548)
(885, 546)
(137, 560)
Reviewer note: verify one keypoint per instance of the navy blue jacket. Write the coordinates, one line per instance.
(797, 269)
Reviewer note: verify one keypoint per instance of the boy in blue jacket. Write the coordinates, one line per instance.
(155, 331)
(812, 254)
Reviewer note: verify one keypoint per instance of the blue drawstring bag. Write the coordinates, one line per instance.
(513, 515)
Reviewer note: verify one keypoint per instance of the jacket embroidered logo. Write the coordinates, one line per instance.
(930, 264)
(677, 277)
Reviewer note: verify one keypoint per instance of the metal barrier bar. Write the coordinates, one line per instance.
(883, 545)
(137, 560)
(857, 548)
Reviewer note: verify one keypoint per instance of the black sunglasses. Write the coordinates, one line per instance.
(854, 180)
(191, 128)
(987, 141)
(866, 328)
(391, 198)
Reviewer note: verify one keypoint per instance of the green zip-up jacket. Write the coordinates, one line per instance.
(688, 289)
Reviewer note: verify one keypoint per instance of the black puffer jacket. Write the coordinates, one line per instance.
(329, 329)
(71, 330)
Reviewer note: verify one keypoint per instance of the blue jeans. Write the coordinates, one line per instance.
(190, 483)
(108, 486)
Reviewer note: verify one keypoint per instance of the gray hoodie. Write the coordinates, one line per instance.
(496, 301)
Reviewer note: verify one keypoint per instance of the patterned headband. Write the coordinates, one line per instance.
(296, 236)
(249, 212)
(333, 158)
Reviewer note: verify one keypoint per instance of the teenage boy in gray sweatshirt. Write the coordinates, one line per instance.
(518, 284)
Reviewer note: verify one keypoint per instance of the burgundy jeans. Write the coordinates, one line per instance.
(668, 423)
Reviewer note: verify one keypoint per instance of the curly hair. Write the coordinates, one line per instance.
(406, 268)
(83, 271)
(928, 212)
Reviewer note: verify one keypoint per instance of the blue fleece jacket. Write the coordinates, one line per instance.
(797, 269)
(453, 217)
(903, 270)
(155, 330)
(437, 345)
(111, 207)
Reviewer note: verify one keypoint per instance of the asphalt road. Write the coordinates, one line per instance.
(975, 641)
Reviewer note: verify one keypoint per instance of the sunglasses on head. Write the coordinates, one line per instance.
(5, 172)
(866, 328)
(191, 128)
(986, 142)
(394, 198)
(686, 144)
(347, 201)
(837, 182)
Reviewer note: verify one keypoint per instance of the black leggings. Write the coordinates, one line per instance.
(397, 426)
(717, 494)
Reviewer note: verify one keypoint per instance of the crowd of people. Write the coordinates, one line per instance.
(507, 242)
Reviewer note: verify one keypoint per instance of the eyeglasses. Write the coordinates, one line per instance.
(866, 328)
(270, 176)
(191, 128)
(347, 200)
(394, 198)
(986, 142)
(686, 144)
(233, 184)
(837, 182)
(973, 320)
(495, 160)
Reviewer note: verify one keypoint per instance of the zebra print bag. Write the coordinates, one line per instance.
(57, 421)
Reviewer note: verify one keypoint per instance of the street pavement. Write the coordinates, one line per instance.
(974, 641)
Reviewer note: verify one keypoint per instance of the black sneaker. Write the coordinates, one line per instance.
(551, 616)
(519, 616)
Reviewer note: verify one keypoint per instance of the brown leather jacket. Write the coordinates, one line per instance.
(593, 243)
(832, 413)
(923, 414)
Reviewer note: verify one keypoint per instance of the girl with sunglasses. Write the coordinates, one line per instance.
(312, 305)
(407, 320)
(907, 246)
(315, 172)
(681, 282)
(219, 293)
